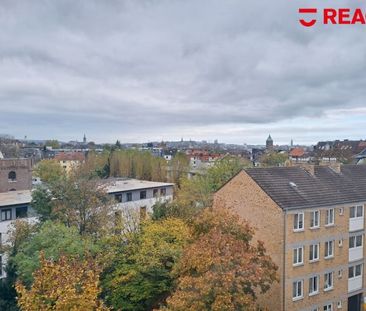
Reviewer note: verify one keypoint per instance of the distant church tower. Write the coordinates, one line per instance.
(269, 143)
(84, 139)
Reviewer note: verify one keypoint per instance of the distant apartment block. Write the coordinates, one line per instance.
(70, 160)
(312, 221)
(139, 195)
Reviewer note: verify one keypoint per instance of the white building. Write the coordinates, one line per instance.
(139, 195)
(13, 205)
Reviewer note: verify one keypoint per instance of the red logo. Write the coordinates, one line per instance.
(340, 16)
(311, 22)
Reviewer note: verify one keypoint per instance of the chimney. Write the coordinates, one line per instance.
(306, 166)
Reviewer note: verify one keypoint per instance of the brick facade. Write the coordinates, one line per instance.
(15, 174)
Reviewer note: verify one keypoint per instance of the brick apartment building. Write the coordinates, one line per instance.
(15, 174)
(312, 223)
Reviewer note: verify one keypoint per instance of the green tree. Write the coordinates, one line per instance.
(49, 170)
(139, 277)
(179, 167)
(19, 232)
(54, 143)
(273, 159)
(77, 201)
(53, 239)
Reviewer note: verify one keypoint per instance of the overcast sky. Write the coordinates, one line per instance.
(140, 70)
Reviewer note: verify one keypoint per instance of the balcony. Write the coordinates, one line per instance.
(356, 223)
(355, 253)
(355, 283)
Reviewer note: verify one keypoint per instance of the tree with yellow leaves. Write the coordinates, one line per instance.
(67, 284)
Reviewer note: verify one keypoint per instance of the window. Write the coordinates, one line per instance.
(313, 285)
(341, 211)
(355, 271)
(142, 195)
(314, 252)
(299, 222)
(129, 196)
(163, 191)
(329, 249)
(21, 212)
(328, 281)
(298, 256)
(155, 193)
(1, 265)
(329, 217)
(340, 272)
(314, 219)
(356, 211)
(6, 214)
(12, 176)
(339, 304)
(328, 307)
(118, 197)
(297, 290)
(355, 241)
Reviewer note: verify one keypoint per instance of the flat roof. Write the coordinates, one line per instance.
(15, 198)
(122, 185)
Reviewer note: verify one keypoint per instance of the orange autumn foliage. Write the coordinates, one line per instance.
(222, 270)
(64, 285)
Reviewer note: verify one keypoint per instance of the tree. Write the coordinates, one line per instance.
(75, 200)
(54, 240)
(63, 284)
(179, 167)
(197, 192)
(221, 270)
(139, 277)
(49, 170)
(53, 143)
(19, 232)
(273, 159)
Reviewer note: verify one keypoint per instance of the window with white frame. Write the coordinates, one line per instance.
(329, 249)
(329, 217)
(298, 254)
(5, 214)
(299, 222)
(314, 252)
(355, 271)
(328, 281)
(297, 290)
(328, 307)
(314, 285)
(356, 211)
(314, 219)
(355, 241)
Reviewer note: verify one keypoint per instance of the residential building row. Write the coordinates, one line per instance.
(312, 221)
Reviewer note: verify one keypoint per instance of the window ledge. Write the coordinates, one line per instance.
(298, 230)
(329, 225)
(298, 264)
(297, 298)
(329, 257)
(328, 289)
(314, 293)
(314, 228)
(314, 260)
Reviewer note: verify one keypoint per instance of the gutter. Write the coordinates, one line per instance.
(284, 260)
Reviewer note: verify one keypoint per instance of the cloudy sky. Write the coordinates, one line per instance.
(139, 70)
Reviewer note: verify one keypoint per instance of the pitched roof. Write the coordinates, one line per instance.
(294, 187)
(297, 152)
(70, 156)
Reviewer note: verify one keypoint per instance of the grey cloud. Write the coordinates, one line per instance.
(158, 66)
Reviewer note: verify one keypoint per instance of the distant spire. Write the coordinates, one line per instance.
(84, 139)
